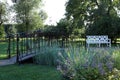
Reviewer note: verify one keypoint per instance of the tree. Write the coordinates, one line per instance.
(28, 14)
(3, 18)
(99, 17)
(2, 32)
(2, 12)
(10, 29)
(64, 28)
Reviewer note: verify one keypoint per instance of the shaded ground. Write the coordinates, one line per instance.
(29, 72)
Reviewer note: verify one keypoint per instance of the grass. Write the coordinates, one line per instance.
(38, 72)
(3, 50)
(29, 72)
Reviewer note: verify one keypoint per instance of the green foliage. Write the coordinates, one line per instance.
(97, 16)
(51, 31)
(2, 12)
(78, 33)
(81, 64)
(20, 28)
(116, 56)
(10, 28)
(28, 15)
(114, 75)
(62, 29)
(2, 31)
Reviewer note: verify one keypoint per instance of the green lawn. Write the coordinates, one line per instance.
(3, 50)
(29, 72)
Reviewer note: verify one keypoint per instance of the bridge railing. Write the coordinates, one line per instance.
(26, 45)
(31, 43)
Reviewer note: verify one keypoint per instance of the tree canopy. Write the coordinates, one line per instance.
(3, 18)
(3, 11)
(29, 14)
(63, 29)
(97, 16)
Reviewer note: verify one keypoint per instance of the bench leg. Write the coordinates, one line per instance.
(109, 44)
(88, 45)
(99, 44)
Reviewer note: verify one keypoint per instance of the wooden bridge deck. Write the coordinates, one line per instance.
(27, 56)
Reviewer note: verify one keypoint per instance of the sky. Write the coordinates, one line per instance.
(55, 10)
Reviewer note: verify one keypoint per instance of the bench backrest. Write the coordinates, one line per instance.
(97, 39)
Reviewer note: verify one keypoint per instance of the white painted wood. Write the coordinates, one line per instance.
(95, 39)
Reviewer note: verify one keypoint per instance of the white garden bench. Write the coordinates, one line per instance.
(95, 39)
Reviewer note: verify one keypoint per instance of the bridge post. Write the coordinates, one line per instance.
(9, 45)
(17, 59)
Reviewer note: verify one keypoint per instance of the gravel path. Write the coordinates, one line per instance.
(10, 61)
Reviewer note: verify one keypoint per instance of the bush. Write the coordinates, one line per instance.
(2, 31)
(116, 56)
(81, 64)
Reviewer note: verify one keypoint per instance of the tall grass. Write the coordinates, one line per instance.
(47, 56)
(78, 63)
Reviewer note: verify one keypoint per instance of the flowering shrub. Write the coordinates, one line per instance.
(81, 64)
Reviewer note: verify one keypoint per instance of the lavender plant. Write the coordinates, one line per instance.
(82, 64)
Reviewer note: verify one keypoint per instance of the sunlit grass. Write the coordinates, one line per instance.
(3, 56)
